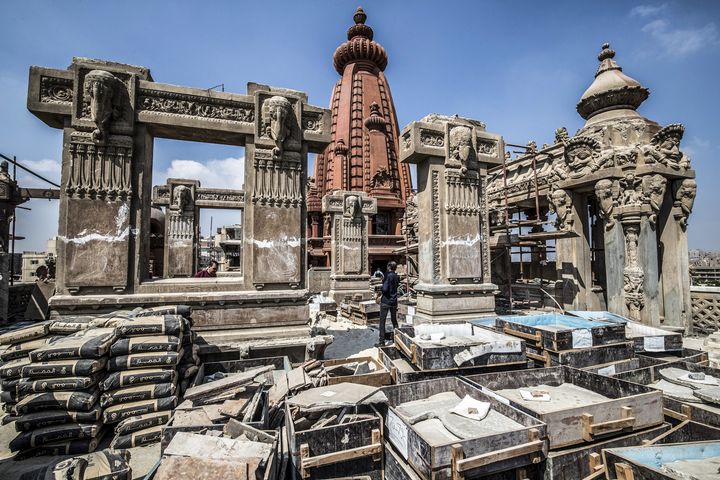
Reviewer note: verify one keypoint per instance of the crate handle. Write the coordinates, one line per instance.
(624, 472)
(545, 357)
(590, 429)
(307, 462)
(536, 337)
(461, 464)
(409, 352)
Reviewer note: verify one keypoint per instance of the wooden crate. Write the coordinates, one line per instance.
(380, 377)
(470, 458)
(613, 368)
(629, 407)
(676, 409)
(492, 348)
(582, 461)
(396, 468)
(685, 355)
(580, 357)
(354, 449)
(402, 371)
(640, 463)
(645, 337)
(557, 332)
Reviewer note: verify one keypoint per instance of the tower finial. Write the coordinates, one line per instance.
(359, 16)
(606, 52)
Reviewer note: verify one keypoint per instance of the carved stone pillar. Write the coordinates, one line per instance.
(451, 154)
(349, 267)
(181, 229)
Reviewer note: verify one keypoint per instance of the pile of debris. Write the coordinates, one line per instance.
(359, 311)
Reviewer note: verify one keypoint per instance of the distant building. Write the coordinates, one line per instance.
(206, 251)
(228, 246)
(31, 261)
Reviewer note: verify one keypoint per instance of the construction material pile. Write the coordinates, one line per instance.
(141, 387)
(57, 407)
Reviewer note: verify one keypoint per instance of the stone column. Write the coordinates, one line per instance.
(181, 229)
(451, 153)
(349, 267)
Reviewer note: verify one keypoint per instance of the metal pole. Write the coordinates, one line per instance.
(507, 234)
(12, 244)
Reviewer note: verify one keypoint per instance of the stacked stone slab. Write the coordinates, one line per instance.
(57, 409)
(144, 372)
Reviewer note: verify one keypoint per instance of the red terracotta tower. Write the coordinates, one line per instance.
(363, 153)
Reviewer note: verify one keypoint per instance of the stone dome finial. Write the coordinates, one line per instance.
(611, 89)
(375, 121)
(359, 16)
(360, 46)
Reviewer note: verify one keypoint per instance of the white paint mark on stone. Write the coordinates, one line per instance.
(466, 240)
(290, 242)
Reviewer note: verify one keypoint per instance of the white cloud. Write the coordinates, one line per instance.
(647, 10)
(225, 173)
(47, 168)
(679, 41)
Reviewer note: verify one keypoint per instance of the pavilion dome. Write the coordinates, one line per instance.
(360, 47)
(611, 89)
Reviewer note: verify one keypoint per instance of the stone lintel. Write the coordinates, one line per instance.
(204, 197)
(455, 289)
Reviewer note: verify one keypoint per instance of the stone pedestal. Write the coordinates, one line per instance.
(181, 229)
(452, 154)
(350, 272)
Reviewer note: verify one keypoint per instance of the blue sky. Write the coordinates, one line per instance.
(518, 66)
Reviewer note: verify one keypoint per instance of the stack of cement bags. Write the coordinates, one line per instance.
(57, 409)
(141, 387)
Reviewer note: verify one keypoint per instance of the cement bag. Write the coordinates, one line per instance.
(190, 355)
(20, 350)
(182, 310)
(187, 371)
(55, 433)
(65, 447)
(92, 343)
(136, 439)
(13, 368)
(64, 368)
(46, 418)
(141, 422)
(81, 401)
(26, 387)
(9, 396)
(190, 338)
(117, 413)
(9, 383)
(135, 394)
(153, 343)
(144, 360)
(102, 465)
(25, 334)
(67, 327)
(131, 378)
(155, 325)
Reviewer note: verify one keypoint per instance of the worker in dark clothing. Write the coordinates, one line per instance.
(209, 272)
(388, 302)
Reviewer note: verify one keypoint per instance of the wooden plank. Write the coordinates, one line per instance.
(590, 429)
(463, 465)
(624, 471)
(337, 457)
(536, 337)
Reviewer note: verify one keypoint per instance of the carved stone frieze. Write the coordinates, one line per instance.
(664, 148)
(312, 121)
(486, 147)
(173, 103)
(277, 183)
(99, 170)
(435, 207)
(430, 138)
(463, 195)
(56, 90)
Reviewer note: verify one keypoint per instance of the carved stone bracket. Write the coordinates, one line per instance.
(561, 204)
(684, 196)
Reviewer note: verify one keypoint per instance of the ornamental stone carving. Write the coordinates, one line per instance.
(654, 191)
(461, 153)
(279, 124)
(581, 155)
(607, 192)
(182, 198)
(560, 203)
(103, 91)
(352, 206)
(632, 191)
(381, 179)
(665, 148)
(633, 275)
(561, 135)
(685, 192)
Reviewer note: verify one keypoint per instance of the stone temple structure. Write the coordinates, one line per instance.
(620, 192)
(363, 152)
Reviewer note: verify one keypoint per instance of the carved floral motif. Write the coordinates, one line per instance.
(171, 103)
(432, 139)
(56, 90)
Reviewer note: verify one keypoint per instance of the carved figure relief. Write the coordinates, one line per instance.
(561, 135)
(279, 124)
(632, 193)
(182, 198)
(560, 203)
(352, 206)
(461, 153)
(607, 192)
(633, 275)
(410, 218)
(665, 148)
(381, 179)
(654, 191)
(103, 91)
(685, 192)
(581, 155)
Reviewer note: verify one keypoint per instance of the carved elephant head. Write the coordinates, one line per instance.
(461, 150)
(352, 206)
(103, 90)
(278, 120)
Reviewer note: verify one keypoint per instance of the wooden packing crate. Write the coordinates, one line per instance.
(629, 407)
(485, 454)
(553, 331)
(492, 348)
(580, 357)
(685, 355)
(687, 431)
(578, 462)
(402, 371)
(378, 378)
(613, 368)
(396, 468)
(676, 409)
(645, 337)
(353, 449)
(644, 463)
